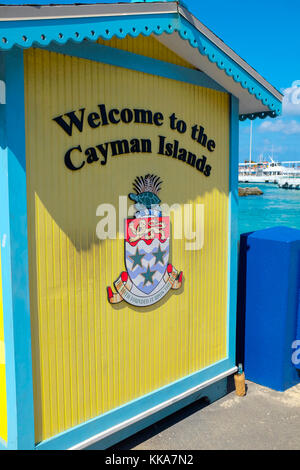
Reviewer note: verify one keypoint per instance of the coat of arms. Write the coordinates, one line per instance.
(149, 274)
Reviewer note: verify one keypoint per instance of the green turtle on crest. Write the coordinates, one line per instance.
(147, 189)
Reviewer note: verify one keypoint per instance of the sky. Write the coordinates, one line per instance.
(265, 33)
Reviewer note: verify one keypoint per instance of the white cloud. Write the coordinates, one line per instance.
(279, 125)
(291, 100)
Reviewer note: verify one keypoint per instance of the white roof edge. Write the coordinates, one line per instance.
(227, 50)
(46, 12)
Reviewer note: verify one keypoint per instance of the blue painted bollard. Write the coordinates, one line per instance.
(269, 308)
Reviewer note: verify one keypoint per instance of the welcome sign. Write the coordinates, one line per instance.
(155, 325)
(76, 157)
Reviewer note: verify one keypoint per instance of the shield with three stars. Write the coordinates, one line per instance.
(147, 253)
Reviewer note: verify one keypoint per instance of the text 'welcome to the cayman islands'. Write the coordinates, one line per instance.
(76, 157)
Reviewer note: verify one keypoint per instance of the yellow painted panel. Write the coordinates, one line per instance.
(88, 355)
(3, 402)
(147, 46)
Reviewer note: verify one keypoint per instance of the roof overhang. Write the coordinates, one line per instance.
(171, 23)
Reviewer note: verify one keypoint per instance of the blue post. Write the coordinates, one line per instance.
(14, 253)
(271, 264)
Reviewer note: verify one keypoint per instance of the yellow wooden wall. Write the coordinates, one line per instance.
(89, 356)
(3, 403)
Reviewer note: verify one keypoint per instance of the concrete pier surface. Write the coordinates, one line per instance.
(263, 419)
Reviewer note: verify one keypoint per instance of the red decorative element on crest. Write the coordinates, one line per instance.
(169, 268)
(110, 292)
(147, 229)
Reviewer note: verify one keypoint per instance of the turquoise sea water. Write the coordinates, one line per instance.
(276, 207)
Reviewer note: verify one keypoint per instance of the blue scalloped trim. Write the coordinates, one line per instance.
(223, 62)
(29, 33)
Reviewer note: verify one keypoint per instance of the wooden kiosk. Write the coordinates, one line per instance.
(115, 312)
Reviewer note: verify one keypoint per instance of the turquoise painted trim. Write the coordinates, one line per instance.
(140, 63)
(42, 32)
(252, 116)
(94, 426)
(6, 270)
(230, 67)
(3, 445)
(212, 392)
(14, 255)
(233, 226)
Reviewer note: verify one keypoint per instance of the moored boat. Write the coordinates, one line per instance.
(268, 172)
(289, 181)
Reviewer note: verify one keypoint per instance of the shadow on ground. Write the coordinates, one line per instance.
(161, 426)
(169, 421)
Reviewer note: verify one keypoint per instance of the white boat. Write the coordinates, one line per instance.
(267, 172)
(251, 173)
(289, 181)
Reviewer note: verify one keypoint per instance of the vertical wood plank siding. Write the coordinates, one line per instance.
(89, 356)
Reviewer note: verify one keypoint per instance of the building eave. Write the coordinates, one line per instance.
(39, 25)
(228, 51)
